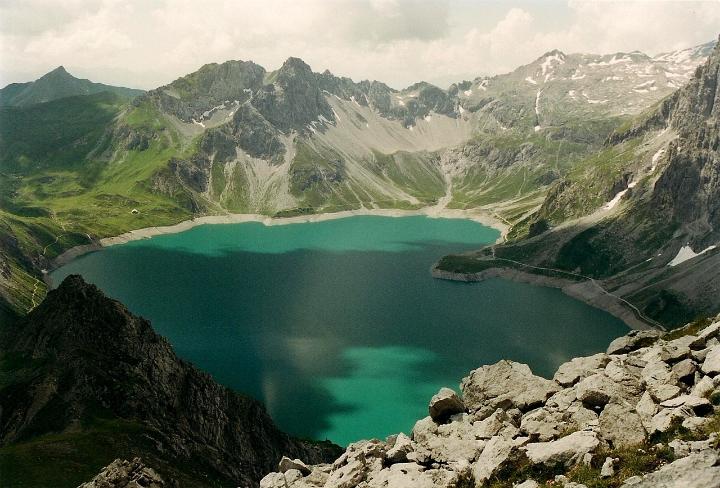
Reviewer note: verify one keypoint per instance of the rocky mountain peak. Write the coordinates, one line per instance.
(295, 66)
(60, 70)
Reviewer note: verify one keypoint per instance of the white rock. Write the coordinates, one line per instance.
(632, 341)
(496, 452)
(667, 417)
(569, 450)
(646, 409)
(597, 390)
(528, 484)
(677, 349)
(506, 384)
(608, 468)
(444, 404)
(711, 365)
(694, 424)
(621, 425)
(696, 471)
(287, 464)
(576, 369)
(703, 387)
(685, 369)
(489, 427)
(402, 447)
(542, 425)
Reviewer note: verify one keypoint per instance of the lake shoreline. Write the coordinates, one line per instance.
(479, 216)
(583, 291)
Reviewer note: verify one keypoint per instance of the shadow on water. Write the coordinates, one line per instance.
(321, 336)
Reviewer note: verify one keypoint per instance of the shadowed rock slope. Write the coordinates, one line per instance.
(83, 381)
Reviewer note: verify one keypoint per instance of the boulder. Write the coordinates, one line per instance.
(444, 404)
(489, 427)
(406, 475)
(633, 341)
(597, 390)
(669, 417)
(694, 424)
(705, 335)
(287, 464)
(561, 400)
(542, 425)
(704, 387)
(528, 484)
(608, 468)
(678, 349)
(126, 474)
(576, 369)
(626, 372)
(497, 452)
(685, 370)
(505, 384)
(621, 425)
(444, 443)
(646, 408)
(711, 365)
(568, 450)
(399, 451)
(697, 471)
(699, 405)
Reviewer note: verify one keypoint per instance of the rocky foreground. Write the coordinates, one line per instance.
(644, 415)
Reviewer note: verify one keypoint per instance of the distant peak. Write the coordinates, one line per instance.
(295, 64)
(554, 52)
(60, 71)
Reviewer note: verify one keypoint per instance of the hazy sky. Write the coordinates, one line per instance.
(147, 43)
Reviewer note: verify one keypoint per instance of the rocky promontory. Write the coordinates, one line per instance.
(644, 414)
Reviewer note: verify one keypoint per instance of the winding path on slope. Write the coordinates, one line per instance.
(594, 282)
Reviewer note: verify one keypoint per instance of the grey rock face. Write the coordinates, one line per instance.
(496, 452)
(578, 368)
(567, 451)
(711, 365)
(506, 385)
(126, 474)
(696, 470)
(286, 464)
(444, 404)
(634, 340)
(621, 425)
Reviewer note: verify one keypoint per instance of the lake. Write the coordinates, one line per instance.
(337, 326)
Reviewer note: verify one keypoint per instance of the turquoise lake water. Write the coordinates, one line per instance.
(337, 326)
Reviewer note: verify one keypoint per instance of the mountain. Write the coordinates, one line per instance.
(642, 216)
(234, 137)
(81, 374)
(56, 84)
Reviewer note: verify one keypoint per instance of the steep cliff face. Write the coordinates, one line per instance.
(688, 191)
(81, 358)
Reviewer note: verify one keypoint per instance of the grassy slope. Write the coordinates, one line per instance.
(69, 181)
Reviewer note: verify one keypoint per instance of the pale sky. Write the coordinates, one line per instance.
(148, 43)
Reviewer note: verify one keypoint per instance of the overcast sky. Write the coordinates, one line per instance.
(148, 43)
